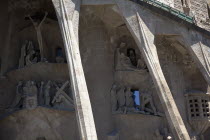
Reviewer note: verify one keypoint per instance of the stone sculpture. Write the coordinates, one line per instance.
(61, 100)
(129, 61)
(121, 98)
(47, 93)
(129, 97)
(132, 55)
(114, 98)
(129, 100)
(41, 94)
(141, 64)
(18, 101)
(37, 26)
(29, 95)
(30, 91)
(23, 55)
(59, 56)
(31, 55)
(28, 55)
(146, 99)
(122, 61)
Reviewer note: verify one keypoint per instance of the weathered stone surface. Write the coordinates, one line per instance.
(41, 122)
(144, 39)
(68, 17)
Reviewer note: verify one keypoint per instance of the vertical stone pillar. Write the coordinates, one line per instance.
(6, 50)
(68, 16)
(145, 41)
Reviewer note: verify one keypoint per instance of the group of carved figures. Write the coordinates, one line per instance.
(28, 53)
(30, 94)
(129, 61)
(122, 99)
(31, 56)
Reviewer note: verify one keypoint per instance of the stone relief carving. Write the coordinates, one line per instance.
(59, 56)
(61, 99)
(29, 95)
(122, 100)
(28, 55)
(146, 100)
(37, 23)
(129, 61)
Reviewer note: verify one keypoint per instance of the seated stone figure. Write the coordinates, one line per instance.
(31, 55)
(146, 100)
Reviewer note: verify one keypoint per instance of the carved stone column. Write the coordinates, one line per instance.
(144, 38)
(68, 16)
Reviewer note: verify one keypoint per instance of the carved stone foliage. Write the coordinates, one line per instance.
(53, 94)
(198, 111)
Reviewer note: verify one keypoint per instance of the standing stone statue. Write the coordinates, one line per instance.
(121, 98)
(37, 26)
(30, 92)
(129, 98)
(23, 55)
(146, 99)
(41, 94)
(114, 98)
(18, 101)
(47, 93)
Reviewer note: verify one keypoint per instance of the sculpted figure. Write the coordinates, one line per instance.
(114, 98)
(59, 56)
(122, 61)
(61, 100)
(132, 56)
(146, 99)
(30, 92)
(37, 26)
(141, 64)
(129, 98)
(126, 62)
(23, 55)
(121, 98)
(47, 93)
(41, 94)
(18, 102)
(31, 57)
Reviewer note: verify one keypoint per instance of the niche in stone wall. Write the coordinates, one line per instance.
(36, 88)
(132, 78)
(184, 79)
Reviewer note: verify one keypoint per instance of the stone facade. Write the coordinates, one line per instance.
(103, 69)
